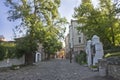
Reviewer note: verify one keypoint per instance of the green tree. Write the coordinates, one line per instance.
(51, 44)
(37, 18)
(24, 45)
(101, 21)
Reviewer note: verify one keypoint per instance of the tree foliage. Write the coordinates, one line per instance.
(24, 45)
(39, 20)
(102, 21)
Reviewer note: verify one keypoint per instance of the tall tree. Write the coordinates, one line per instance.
(37, 17)
(101, 21)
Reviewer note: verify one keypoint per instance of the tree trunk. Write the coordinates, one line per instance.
(48, 56)
(29, 59)
(45, 56)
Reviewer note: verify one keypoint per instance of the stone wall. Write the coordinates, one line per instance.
(102, 67)
(114, 71)
(10, 62)
(110, 67)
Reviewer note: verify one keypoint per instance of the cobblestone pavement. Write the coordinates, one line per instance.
(52, 70)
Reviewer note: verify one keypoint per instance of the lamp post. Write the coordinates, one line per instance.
(71, 49)
(70, 55)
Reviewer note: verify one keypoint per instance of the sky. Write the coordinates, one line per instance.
(66, 9)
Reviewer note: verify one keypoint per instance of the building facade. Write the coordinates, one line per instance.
(40, 55)
(67, 47)
(77, 39)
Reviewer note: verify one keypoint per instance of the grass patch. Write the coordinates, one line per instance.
(94, 66)
(15, 67)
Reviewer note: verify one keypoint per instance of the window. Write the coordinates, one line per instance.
(79, 39)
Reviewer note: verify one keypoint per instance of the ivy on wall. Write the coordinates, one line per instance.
(7, 50)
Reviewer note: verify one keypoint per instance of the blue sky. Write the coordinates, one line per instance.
(66, 10)
(5, 25)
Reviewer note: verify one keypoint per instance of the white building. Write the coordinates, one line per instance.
(77, 39)
(67, 47)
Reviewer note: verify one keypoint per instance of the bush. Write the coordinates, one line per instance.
(7, 50)
(2, 52)
(15, 67)
(81, 58)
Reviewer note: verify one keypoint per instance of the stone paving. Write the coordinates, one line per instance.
(59, 69)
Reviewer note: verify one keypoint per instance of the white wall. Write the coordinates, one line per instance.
(67, 44)
(10, 62)
(71, 36)
(77, 34)
(38, 57)
(74, 37)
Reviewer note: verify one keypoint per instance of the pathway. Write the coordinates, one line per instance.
(52, 70)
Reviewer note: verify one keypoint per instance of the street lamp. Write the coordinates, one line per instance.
(70, 54)
(71, 50)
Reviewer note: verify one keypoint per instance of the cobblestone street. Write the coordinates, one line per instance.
(52, 70)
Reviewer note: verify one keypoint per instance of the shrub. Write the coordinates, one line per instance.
(15, 67)
(7, 50)
(2, 52)
(81, 58)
